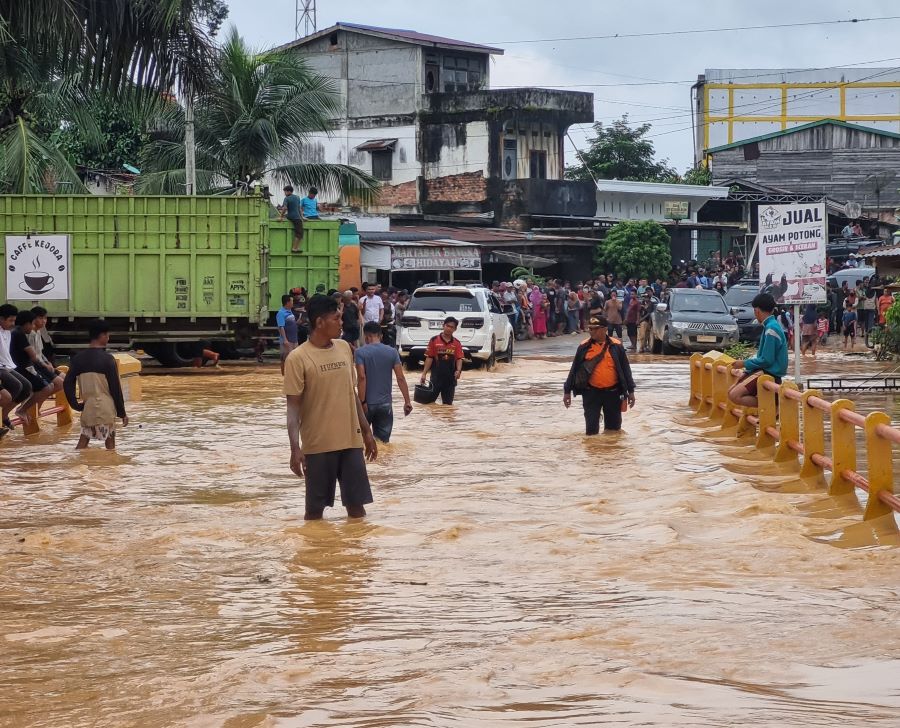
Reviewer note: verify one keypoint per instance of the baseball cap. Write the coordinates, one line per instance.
(598, 321)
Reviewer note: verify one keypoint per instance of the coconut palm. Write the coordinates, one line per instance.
(253, 123)
(54, 53)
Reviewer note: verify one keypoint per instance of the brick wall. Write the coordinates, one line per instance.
(397, 195)
(467, 187)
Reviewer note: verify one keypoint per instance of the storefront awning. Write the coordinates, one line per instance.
(526, 261)
(377, 145)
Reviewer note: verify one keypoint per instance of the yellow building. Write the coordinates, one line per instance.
(732, 105)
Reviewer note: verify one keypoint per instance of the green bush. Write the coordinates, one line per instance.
(740, 350)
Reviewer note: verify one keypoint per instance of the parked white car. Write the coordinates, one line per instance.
(484, 330)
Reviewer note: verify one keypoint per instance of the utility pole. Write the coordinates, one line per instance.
(190, 152)
(305, 18)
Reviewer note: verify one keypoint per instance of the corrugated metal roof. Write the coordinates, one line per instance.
(889, 252)
(407, 36)
(375, 145)
(803, 127)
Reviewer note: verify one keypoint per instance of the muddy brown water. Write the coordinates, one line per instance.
(511, 572)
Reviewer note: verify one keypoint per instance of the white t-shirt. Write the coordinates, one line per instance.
(6, 361)
(372, 308)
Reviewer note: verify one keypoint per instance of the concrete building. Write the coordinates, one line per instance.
(733, 105)
(418, 113)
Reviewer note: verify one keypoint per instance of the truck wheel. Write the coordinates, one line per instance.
(509, 351)
(491, 362)
(657, 344)
(411, 363)
(172, 354)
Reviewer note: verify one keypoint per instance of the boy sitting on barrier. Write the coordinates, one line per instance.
(771, 358)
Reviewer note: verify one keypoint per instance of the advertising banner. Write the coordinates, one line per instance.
(37, 267)
(435, 258)
(792, 252)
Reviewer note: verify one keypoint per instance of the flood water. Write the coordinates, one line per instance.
(511, 572)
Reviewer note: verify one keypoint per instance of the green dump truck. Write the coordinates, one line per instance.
(166, 272)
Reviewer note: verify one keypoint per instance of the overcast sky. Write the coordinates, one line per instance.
(606, 67)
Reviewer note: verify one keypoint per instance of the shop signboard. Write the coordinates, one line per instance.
(792, 242)
(412, 258)
(37, 267)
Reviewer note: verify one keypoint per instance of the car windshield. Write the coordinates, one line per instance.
(740, 296)
(699, 304)
(446, 301)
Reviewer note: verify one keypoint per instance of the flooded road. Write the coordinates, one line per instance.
(511, 572)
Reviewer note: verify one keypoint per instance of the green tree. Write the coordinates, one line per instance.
(621, 152)
(252, 122)
(633, 249)
(699, 174)
(56, 54)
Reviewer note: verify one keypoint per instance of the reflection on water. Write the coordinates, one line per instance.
(511, 571)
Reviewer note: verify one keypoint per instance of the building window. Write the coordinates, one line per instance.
(383, 164)
(462, 74)
(538, 165)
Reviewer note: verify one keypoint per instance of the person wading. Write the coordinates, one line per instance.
(375, 363)
(444, 358)
(327, 428)
(772, 357)
(601, 374)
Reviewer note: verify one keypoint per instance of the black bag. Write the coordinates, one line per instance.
(425, 393)
(583, 373)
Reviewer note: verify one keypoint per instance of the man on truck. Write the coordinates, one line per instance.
(292, 207)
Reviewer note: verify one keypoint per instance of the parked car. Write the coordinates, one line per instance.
(850, 275)
(738, 299)
(693, 319)
(484, 330)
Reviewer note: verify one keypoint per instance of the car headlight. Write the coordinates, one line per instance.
(734, 328)
(680, 325)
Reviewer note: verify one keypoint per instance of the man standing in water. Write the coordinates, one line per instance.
(444, 358)
(376, 362)
(601, 374)
(97, 376)
(327, 427)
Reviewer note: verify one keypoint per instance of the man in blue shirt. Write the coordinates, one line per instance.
(309, 205)
(292, 208)
(287, 327)
(771, 358)
(375, 363)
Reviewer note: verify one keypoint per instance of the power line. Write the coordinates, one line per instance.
(694, 31)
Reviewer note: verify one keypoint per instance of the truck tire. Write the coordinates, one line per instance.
(656, 347)
(667, 348)
(172, 354)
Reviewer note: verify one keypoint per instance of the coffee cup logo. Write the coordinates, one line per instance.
(37, 280)
(37, 267)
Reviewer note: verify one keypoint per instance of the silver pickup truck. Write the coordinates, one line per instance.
(691, 319)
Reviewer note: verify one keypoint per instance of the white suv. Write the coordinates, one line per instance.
(484, 330)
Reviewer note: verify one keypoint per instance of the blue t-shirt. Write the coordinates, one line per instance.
(379, 361)
(293, 205)
(286, 320)
(310, 207)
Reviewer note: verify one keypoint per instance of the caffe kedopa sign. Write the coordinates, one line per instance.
(37, 267)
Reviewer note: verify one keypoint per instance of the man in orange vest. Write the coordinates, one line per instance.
(601, 374)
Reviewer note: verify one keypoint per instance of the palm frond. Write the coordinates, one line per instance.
(29, 165)
(331, 179)
(173, 182)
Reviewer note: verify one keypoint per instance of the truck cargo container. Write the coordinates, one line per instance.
(166, 272)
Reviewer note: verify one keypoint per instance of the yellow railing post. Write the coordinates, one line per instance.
(696, 373)
(768, 412)
(880, 466)
(788, 425)
(33, 426)
(843, 448)
(64, 416)
(720, 386)
(706, 385)
(813, 437)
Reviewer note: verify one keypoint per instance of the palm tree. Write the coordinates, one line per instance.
(253, 122)
(55, 53)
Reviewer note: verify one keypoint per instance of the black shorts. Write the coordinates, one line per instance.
(36, 381)
(324, 469)
(47, 376)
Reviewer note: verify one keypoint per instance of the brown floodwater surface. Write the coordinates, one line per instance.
(510, 572)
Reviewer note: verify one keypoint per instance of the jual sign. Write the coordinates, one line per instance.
(37, 267)
(792, 252)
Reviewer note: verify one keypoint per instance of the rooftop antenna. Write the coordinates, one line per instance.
(305, 18)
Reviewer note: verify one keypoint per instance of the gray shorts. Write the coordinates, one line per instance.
(325, 469)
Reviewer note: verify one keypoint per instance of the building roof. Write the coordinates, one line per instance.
(398, 34)
(803, 127)
(484, 235)
(662, 189)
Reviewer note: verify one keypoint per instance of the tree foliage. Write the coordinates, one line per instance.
(56, 55)
(633, 249)
(622, 152)
(252, 122)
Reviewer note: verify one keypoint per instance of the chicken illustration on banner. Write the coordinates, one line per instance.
(792, 252)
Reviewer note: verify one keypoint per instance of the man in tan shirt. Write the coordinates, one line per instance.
(328, 431)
